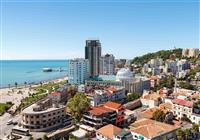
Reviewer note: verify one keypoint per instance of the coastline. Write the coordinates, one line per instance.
(36, 83)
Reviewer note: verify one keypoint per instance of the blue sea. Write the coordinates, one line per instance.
(30, 71)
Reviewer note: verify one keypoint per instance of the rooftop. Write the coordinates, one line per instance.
(112, 105)
(150, 128)
(183, 102)
(99, 110)
(55, 93)
(109, 130)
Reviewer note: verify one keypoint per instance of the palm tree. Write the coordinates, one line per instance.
(16, 84)
(40, 83)
(9, 86)
(25, 83)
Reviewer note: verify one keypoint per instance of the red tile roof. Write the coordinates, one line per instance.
(99, 110)
(109, 131)
(55, 93)
(111, 90)
(183, 102)
(112, 105)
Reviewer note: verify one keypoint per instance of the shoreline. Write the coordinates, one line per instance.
(35, 83)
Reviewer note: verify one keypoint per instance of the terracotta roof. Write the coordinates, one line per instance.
(55, 93)
(149, 112)
(153, 78)
(112, 105)
(99, 110)
(150, 128)
(183, 102)
(166, 106)
(153, 96)
(109, 130)
(111, 90)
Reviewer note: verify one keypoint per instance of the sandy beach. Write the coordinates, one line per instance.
(15, 95)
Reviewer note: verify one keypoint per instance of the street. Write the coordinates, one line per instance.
(4, 128)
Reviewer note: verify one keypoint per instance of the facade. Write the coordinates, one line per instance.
(194, 52)
(107, 64)
(103, 83)
(151, 100)
(111, 132)
(78, 71)
(93, 54)
(99, 96)
(137, 85)
(182, 108)
(185, 52)
(108, 113)
(147, 129)
(44, 116)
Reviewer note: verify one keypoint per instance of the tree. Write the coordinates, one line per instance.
(31, 138)
(195, 129)
(9, 86)
(16, 84)
(78, 105)
(72, 90)
(45, 137)
(133, 96)
(180, 134)
(25, 83)
(186, 85)
(159, 115)
(188, 134)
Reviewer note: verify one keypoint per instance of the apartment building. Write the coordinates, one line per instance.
(100, 96)
(108, 113)
(44, 116)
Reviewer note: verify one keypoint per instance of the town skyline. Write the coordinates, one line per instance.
(58, 30)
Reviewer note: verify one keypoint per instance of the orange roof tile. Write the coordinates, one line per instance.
(99, 110)
(150, 128)
(55, 93)
(109, 130)
(112, 105)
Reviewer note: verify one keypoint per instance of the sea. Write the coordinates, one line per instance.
(30, 71)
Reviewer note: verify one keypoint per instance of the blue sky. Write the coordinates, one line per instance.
(57, 29)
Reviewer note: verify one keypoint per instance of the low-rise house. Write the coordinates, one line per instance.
(151, 100)
(111, 132)
(147, 129)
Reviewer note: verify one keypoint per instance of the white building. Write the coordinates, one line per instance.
(107, 64)
(78, 71)
(108, 94)
(194, 52)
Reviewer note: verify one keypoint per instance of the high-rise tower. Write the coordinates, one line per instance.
(93, 54)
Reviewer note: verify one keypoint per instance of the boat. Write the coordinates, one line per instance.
(47, 69)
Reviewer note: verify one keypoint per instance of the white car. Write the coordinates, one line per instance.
(9, 122)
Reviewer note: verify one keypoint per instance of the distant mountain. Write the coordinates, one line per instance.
(164, 54)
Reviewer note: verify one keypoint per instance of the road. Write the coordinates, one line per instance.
(4, 128)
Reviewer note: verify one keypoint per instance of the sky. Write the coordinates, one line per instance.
(57, 29)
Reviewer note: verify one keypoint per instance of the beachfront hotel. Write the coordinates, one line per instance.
(44, 116)
(78, 71)
(93, 54)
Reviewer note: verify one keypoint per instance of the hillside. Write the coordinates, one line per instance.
(164, 54)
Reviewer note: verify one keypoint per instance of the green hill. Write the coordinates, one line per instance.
(164, 54)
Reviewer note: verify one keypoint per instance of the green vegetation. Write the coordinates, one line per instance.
(4, 107)
(168, 82)
(186, 85)
(193, 72)
(188, 134)
(164, 54)
(159, 115)
(180, 134)
(133, 96)
(78, 105)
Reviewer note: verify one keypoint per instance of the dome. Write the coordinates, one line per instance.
(124, 74)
